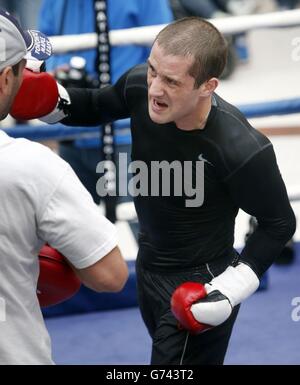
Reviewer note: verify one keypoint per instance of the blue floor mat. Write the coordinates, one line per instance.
(265, 332)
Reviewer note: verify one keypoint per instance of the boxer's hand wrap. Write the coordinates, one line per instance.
(214, 307)
(40, 96)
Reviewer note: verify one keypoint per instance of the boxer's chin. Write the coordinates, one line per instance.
(159, 117)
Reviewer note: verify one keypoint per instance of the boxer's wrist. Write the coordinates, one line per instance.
(61, 109)
(235, 283)
(211, 305)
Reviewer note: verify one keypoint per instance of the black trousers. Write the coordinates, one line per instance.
(172, 345)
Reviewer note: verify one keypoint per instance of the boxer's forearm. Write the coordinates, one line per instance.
(91, 107)
(41, 97)
(259, 190)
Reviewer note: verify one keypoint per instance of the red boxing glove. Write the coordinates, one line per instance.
(57, 281)
(38, 96)
(182, 299)
(199, 307)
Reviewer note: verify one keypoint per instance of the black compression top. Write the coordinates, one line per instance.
(240, 171)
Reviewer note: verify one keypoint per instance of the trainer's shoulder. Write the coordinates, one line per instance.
(38, 160)
(32, 170)
(237, 140)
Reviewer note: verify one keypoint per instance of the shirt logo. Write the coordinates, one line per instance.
(202, 159)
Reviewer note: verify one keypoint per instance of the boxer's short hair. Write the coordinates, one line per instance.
(199, 39)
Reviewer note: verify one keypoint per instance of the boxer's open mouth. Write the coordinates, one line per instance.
(159, 105)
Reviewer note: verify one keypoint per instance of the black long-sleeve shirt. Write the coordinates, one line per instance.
(240, 171)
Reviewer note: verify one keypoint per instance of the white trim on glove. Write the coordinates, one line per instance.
(34, 65)
(58, 113)
(234, 285)
(212, 313)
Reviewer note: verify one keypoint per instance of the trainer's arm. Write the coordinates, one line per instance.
(258, 189)
(108, 274)
(68, 219)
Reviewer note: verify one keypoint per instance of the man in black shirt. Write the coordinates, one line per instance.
(186, 252)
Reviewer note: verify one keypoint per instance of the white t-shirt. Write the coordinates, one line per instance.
(41, 200)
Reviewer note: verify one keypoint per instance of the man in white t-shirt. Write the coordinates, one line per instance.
(41, 200)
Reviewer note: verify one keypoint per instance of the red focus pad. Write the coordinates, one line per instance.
(182, 299)
(57, 281)
(37, 96)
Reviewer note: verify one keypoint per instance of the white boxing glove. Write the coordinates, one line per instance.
(224, 292)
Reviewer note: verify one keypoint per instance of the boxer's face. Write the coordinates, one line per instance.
(171, 93)
(9, 87)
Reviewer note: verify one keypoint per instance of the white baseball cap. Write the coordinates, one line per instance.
(16, 44)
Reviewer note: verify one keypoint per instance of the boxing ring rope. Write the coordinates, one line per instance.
(58, 131)
(146, 35)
